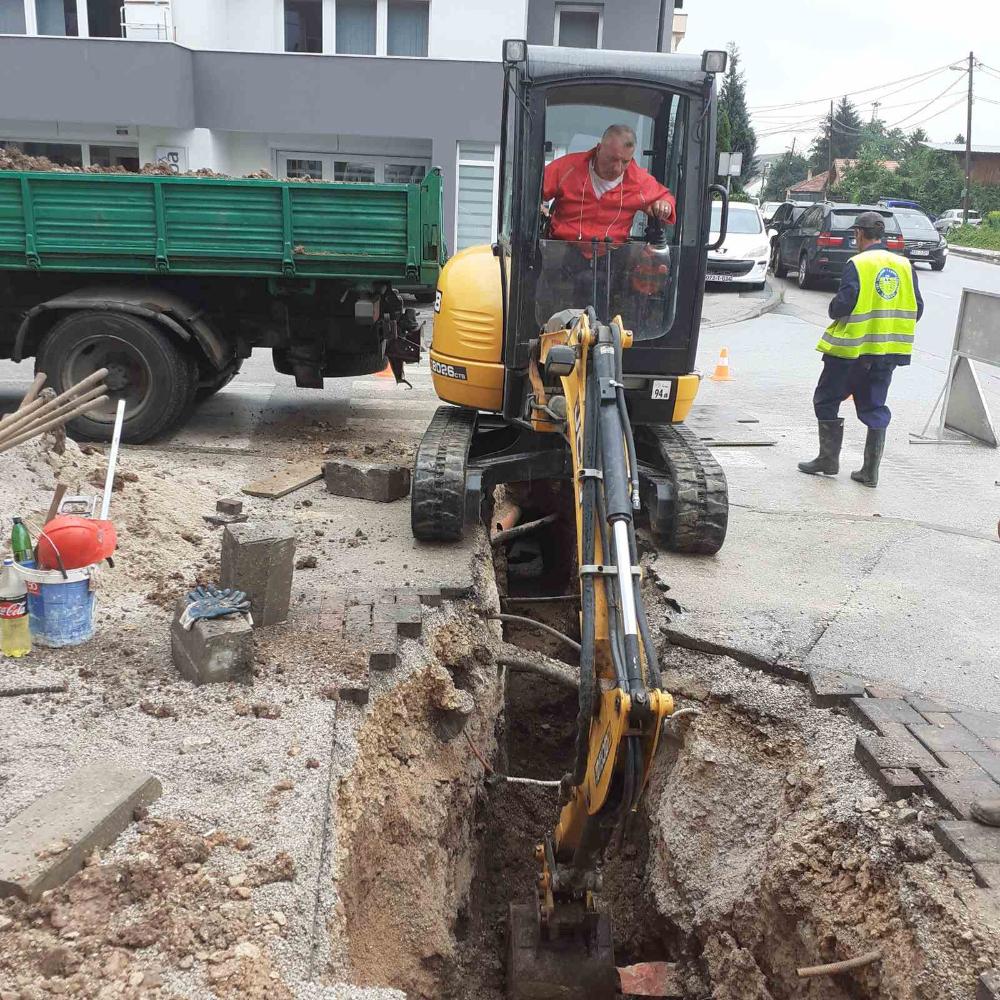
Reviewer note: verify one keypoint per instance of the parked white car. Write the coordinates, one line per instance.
(743, 257)
(953, 217)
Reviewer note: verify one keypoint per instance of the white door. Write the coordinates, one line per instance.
(351, 167)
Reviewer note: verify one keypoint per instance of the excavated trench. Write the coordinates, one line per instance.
(761, 847)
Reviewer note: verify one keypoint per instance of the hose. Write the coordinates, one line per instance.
(541, 626)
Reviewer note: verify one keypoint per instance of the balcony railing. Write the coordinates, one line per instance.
(148, 21)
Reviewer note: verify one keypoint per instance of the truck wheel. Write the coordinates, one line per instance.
(204, 392)
(156, 379)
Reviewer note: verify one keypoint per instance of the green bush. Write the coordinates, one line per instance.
(993, 220)
(982, 237)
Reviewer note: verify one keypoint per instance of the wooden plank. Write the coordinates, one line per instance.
(287, 481)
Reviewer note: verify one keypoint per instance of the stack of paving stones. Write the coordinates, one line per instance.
(375, 625)
(926, 745)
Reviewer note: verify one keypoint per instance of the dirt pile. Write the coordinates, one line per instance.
(125, 928)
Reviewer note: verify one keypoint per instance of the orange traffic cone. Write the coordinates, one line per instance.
(722, 367)
(386, 372)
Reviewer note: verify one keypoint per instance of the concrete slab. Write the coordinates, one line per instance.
(46, 843)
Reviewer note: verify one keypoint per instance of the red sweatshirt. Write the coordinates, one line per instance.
(578, 214)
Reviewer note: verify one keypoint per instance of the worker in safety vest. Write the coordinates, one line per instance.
(874, 313)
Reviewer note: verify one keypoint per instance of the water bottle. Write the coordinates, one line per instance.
(15, 636)
(20, 543)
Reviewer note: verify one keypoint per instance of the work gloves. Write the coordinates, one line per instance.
(210, 602)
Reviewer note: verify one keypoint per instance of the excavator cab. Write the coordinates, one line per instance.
(573, 359)
(493, 302)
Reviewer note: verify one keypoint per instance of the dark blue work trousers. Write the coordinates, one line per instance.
(866, 379)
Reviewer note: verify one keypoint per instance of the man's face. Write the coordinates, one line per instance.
(612, 157)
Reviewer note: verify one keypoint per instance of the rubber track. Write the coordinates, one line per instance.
(701, 503)
(437, 501)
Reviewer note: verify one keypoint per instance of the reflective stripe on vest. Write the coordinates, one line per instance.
(885, 316)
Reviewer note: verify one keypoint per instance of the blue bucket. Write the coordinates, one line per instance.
(60, 609)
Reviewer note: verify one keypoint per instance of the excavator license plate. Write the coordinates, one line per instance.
(580, 967)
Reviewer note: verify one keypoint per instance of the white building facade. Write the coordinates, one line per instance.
(344, 90)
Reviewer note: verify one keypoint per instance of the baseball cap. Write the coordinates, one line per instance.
(870, 220)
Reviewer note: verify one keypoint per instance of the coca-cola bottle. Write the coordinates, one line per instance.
(15, 635)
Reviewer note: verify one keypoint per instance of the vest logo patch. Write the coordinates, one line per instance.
(887, 283)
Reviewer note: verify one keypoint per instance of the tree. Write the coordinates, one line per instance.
(733, 102)
(916, 140)
(786, 171)
(868, 180)
(723, 133)
(932, 178)
(847, 127)
(960, 139)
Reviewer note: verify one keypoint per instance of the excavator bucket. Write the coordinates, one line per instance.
(575, 967)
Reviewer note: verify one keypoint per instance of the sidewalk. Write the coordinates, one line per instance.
(725, 305)
(975, 253)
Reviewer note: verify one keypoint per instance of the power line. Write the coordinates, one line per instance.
(926, 75)
(951, 86)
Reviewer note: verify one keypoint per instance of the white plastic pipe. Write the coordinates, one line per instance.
(113, 459)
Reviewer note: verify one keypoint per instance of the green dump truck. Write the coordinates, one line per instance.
(170, 282)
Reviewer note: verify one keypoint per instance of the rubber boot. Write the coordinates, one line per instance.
(867, 475)
(827, 462)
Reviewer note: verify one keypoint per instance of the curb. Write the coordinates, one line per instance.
(975, 253)
(775, 298)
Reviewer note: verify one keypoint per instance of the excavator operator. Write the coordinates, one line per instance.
(595, 194)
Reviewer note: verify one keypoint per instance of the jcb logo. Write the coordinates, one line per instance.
(450, 371)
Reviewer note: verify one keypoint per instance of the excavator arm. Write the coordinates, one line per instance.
(561, 945)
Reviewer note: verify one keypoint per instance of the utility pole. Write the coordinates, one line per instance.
(829, 170)
(875, 106)
(968, 149)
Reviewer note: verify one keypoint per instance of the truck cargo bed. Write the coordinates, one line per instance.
(154, 224)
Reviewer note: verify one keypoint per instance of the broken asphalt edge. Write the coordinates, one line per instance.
(775, 297)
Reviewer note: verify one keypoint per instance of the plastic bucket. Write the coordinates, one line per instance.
(60, 609)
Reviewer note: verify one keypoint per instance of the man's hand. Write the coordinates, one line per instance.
(661, 210)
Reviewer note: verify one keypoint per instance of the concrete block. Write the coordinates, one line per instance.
(899, 782)
(987, 874)
(879, 752)
(381, 646)
(229, 506)
(45, 844)
(986, 725)
(259, 558)
(431, 598)
(367, 480)
(358, 694)
(830, 688)
(212, 651)
(988, 985)
(969, 841)
(875, 712)
(947, 738)
(957, 789)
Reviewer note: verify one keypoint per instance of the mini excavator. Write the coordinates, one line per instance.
(574, 360)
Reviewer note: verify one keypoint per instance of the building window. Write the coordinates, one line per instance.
(62, 154)
(12, 20)
(126, 157)
(79, 154)
(357, 22)
(475, 206)
(56, 17)
(303, 26)
(354, 172)
(404, 173)
(407, 28)
(104, 18)
(579, 26)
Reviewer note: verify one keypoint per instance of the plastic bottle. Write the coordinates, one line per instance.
(20, 543)
(15, 635)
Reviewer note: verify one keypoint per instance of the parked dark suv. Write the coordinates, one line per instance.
(922, 242)
(820, 243)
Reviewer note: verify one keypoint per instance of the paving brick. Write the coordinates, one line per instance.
(957, 789)
(969, 841)
(259, 558)
(879, 752)
(229, 505)
(457, 592)
(989, 761)
(899, 782)
(358, 694)
(955, 760)
(987, 874)
(830, 688)
(988, 985)
(939, 718)
(985, 725)
(881, 690)
(431, 598)
(213, 650)
(933, 705)
(876, 712)
(947, 738)
(45, 844)
(367, 480)
(358, 618)
(380, 644)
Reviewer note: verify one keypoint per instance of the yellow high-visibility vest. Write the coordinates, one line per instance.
(885, 317)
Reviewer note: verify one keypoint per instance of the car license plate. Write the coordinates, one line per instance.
(718, 277)
(921, 253)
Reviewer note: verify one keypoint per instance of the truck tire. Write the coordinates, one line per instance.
(156, 378)
(204, 392)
